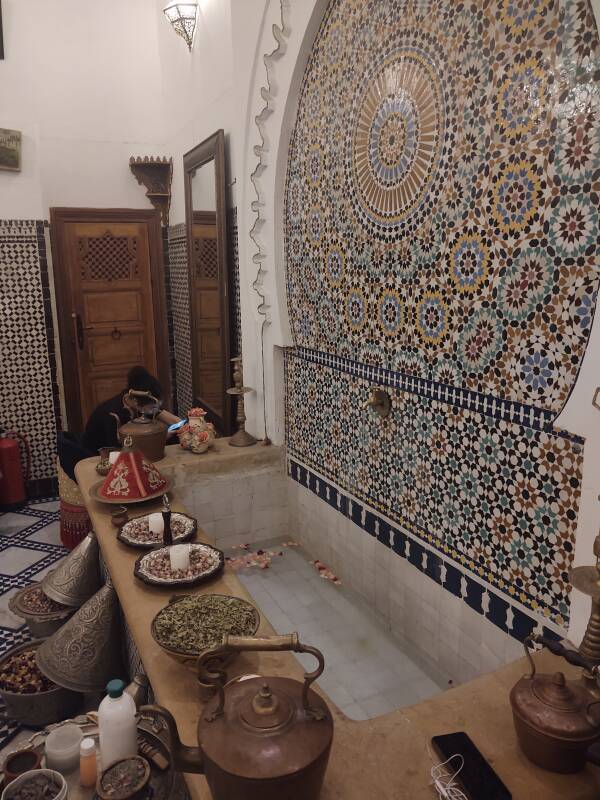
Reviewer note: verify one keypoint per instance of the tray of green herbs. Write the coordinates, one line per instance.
(192, 623)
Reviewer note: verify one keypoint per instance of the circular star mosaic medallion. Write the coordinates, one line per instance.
(442, 193)
(398, 133)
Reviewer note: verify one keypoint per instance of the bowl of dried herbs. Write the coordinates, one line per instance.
(192, 623)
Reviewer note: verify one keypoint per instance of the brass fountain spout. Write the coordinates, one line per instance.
(379, 400)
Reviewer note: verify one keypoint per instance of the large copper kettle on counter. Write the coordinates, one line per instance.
(557, 721)
(259, 738)
(147, 433)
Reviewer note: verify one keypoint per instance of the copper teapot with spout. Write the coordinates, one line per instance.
(147, 433)
(557, 721)
(259, 738)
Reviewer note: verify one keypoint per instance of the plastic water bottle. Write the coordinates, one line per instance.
(117, 725)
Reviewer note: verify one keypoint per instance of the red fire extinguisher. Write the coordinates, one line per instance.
(12, 481)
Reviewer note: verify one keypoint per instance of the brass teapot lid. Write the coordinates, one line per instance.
(143, 407)
(555, 706)
(264, 728)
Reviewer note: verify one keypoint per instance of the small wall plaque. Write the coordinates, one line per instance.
(10, 150)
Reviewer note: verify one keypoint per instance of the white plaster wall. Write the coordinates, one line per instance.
(198, 94)
(82, 80)
(271, 42)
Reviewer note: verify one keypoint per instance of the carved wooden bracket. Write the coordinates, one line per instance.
(156, 174)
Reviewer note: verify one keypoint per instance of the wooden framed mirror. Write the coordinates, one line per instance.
(206, 222)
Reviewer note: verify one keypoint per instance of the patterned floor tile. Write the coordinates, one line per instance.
(15, 560)
(13, 522)
(32, 549)
(49, 534)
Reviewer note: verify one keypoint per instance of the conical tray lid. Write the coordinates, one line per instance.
(76, 578)
(85, 653)
(132, 477)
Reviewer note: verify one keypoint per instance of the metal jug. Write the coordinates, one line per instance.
(554, 718)
(147, 433)
(259, 738)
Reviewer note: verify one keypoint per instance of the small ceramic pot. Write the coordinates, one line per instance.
(19, 762)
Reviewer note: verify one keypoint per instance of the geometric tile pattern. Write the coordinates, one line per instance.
(180, 301)
(22, 557)
(502, 611)
(28, 396)
(497, 497)
(235, 309)
(169, 310)
(441, 208)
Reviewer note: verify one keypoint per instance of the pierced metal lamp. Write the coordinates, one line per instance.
(182, 17)
(77, 577)
(86, 652)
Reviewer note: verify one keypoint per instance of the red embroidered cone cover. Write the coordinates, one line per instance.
(132, 476)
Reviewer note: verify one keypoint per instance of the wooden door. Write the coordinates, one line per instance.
(109, 304)
(206, 316)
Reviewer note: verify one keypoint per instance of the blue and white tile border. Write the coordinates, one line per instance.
(512, 618)
(537, 419)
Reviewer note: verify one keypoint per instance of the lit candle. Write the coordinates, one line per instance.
(179, 555)
(156, 523)
(113, 455)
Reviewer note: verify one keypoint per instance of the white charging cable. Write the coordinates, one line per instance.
(444, 780)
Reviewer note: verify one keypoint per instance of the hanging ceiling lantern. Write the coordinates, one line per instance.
(182, 17)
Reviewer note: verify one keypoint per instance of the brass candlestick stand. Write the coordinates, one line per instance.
(587, 580)
(242, 438)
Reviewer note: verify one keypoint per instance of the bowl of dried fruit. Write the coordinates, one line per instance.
(191, 623)
(30, 697)
(42, 615)
(136, 532)
(124, 780)
(155, 569)
(39, 784)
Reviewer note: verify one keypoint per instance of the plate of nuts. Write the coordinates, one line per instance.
(136, 532)
(155, 568)
(42, 615)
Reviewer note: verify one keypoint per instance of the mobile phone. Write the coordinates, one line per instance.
(476, 777)
(176, 425)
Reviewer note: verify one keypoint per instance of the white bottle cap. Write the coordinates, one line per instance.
(88, 746)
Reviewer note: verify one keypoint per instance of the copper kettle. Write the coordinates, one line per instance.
(147, 433)
(259, 738)
(554, 718)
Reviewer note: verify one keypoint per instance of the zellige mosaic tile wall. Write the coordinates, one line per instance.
(441, 238)
(29, 398)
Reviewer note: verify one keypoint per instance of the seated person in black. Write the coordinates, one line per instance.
(107, 418)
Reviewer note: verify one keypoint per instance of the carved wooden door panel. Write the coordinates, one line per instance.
(206, 318)
(112, 311)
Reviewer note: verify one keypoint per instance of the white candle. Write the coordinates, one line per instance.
(179, 555)
(113, 455)
(156, 523)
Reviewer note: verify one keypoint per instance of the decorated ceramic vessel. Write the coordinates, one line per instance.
(198, 435)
